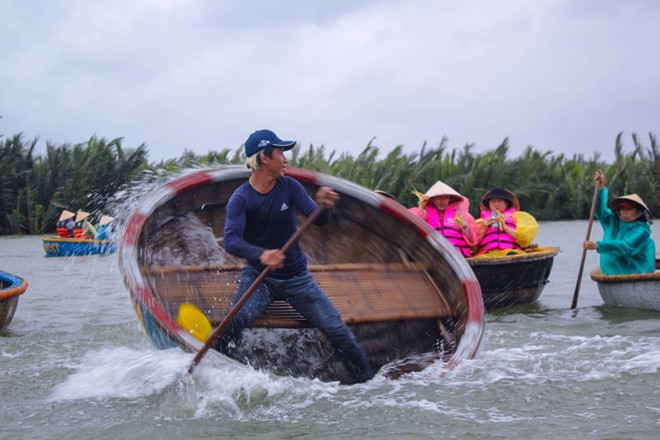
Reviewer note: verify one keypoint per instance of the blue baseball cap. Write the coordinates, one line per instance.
(262, 139)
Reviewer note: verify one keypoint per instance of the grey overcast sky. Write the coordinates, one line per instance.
(564, 76)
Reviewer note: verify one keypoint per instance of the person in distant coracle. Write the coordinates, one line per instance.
(104, 232)
(261, 217)
(497, 231)
(65, 224)
(446, 211)
(627, 246)
(83, 228)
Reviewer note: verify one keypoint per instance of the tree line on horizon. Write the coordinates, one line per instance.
(95, 175)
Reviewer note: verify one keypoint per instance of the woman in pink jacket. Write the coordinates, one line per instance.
(497, 223)
(447, 212)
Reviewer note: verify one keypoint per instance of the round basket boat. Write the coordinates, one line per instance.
(515, 279)
(640, 290)
(11, 287)
(408, 295)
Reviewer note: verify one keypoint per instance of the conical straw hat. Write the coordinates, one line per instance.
(442, 189)
(105, 220)
(82, 215)
(632, 198)
(66, 215)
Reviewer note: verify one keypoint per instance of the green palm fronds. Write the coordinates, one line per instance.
(92, 174)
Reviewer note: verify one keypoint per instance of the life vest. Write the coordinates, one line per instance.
(78, 231)
(494, 238)
(62, 231)
(446, 227)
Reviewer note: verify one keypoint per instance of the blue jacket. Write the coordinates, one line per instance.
(626, 247)
(104, 233)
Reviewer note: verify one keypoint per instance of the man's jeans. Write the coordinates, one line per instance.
(303, 294)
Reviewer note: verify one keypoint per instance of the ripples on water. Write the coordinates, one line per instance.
(77, 365)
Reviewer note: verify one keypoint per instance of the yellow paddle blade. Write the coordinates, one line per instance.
(526, 228)
(192, 320)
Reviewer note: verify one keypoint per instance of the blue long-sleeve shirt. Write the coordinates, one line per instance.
(626, 247)
(256, 222)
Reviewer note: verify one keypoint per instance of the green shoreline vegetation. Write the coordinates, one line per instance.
(91, 176)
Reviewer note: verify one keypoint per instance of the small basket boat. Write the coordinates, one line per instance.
(513, 279)
(11, 287)
(640, 290)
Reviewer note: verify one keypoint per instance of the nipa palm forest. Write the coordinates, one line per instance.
(93, 176)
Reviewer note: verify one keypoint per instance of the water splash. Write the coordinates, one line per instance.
(121, 373)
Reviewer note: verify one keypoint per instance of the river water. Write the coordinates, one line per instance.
(77, 365)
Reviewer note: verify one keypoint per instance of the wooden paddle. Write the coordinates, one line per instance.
(248, 293)
(584, 251)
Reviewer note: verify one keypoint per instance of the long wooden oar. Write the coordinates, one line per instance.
(248, 293)
(584, 251)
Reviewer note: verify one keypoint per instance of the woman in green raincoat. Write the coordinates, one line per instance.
(627, 246)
